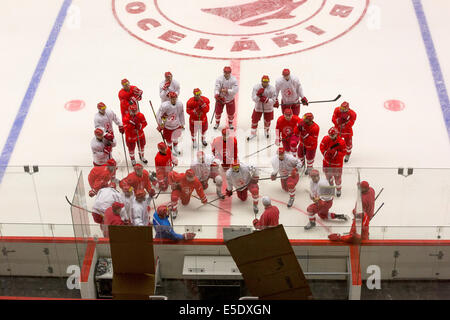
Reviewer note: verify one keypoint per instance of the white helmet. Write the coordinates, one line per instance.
(265, 201)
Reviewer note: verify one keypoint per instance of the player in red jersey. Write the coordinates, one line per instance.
(183, 184)
(197, 107)
(101, 177)
(333, 151)
(344, 118)
(134, 124)
(307, 133)
(285, 131)
(139, 180)
(224, 148)
(164, 163)
(128, 95)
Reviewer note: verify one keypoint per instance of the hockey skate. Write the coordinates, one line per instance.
(338, 193)
(204, 143)
(145, 161)
(346, 158)
(255, 209)
(310, 225)
(174, 213)
(251, 136)
(194, 144)
(176, 151)
(267, 133)
(216, 125)
(290, 202)
(341, 217)
(133, 162)
(230, 125)
(307, 170)
(220, 194)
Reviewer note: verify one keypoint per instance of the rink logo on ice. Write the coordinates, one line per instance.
(238, 29)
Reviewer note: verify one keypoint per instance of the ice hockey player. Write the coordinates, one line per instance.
(270, 216)
(134, 124)
(105, 198)
(102, 149)
(291, 92)
(105, 117)
(333, 151)
(164, 163)
(101, 177)
(285, 131)
(163, 228)
(224, 149)
(321, 193)
(128, 95)
(113, 217)
(167, 86)
(170, 118)
(205, 166)
(368, 204)
(307, 132)
(139, 180)
(263, 95)
(183, 184)
(226, 88)
(344, 118)
(197, 107)
(126, 199)
(288, 168)
(243, 178)
(140, 209)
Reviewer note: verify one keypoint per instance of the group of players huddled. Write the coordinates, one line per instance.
(296, 137)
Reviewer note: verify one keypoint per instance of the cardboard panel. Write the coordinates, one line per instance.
(133, 286)
(269, 266)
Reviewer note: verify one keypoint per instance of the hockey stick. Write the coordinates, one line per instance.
(214, 205)
(259, 150)
(377, 211)
(282, 177)
(125, 151)
(321, 101)
(154, 114)
(81, 208)
(139, 145)
(379, 194)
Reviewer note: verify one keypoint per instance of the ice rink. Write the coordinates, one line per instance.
(388, 59)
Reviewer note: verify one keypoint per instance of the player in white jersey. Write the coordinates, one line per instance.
(140, 209)
(170, 118)
(206, 166)
(263, 95)
(168, 85)
(104, 199)
(322, 193)
(101, 146)
(225, 90)
(291, 92)
(105, 117)
(244, 178)
(288, 168)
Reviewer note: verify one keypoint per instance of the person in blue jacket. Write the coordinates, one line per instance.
(164, 229)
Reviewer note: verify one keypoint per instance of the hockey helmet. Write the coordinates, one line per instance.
(265, 78)
(125, 82)
(286, 72)
(101, 106)
(333, 131)
(281, 150)
(287, 112)
(172, 95)
(308, 116)
(167, 74)
(117, 205)
(197, 92)
(98, 132)
(236, 166)
(344, 106)
(227, 69)
(162, 146)
(162, 211)
(314, 173)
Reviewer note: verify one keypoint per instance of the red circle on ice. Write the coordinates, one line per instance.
(74, 105)
(394, 105)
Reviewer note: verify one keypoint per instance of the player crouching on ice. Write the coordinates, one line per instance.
(164, 163)
(197, 107)
(102, 177)
(263, 95)
(321, 192)
(368, 205)
(183, 184)
(270, 216)
(163, 228)
(244, 178)
(206, 167)
(101, 146)
(288, 167)
(134, 124)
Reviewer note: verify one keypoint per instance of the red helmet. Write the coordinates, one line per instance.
(124, 81)
(281, 150)
(308, 116)
(286, 72)
(140, 193)
(167, 74)
(162, 146)
(227, 69)
(109, 136)
(287, 111)
(172, 94)
(345, 104)
(117, 205)
(98, 131)
(190, 173)
(197, 92)
(364, 184)
(314, 173)
(101, 106)
(138, 165)
(162, 210)
(333, 131)
(133, 107)
(265, 78)
(236, 164)
(111, 162)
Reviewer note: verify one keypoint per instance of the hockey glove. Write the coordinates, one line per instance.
(304, 101)
(92, 193)
(121, 130)
(255, 222)
(260, 92)
(229, 193)
(151, 192)
(107, 149)
(263, 99)
(273, 177)
(276, 104)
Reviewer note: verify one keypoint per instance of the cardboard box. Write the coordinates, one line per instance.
(133, 262)
(269, 266)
